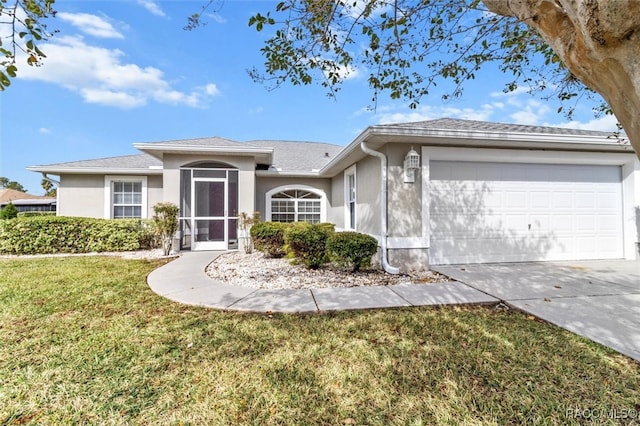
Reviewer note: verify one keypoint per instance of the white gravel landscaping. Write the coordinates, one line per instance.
(257, 271)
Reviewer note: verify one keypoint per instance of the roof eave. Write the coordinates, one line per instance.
(158, 150)
(488, 135)
(279, 173)
(377, 136)
(94, 170)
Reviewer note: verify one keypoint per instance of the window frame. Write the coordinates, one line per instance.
(350, 217)
(269, 198)
(109, 192)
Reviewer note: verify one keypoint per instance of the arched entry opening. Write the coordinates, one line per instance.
(208, 206)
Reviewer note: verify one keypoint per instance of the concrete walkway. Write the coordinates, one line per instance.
(184, 280)
(599, 300)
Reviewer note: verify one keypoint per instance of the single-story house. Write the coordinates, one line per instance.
(25, 202)
(444, 191)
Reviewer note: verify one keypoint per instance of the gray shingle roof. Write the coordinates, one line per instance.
(300, 157)
(138, 161)
(289, 156)
(458, 124)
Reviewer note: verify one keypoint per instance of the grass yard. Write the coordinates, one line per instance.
(84, 341)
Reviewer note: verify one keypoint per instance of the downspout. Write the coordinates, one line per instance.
(47, 178)
(55, 182)
(383, 206)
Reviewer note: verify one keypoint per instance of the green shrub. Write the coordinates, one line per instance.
(351, 249)
(60, 234)
(9, 212)
(33, 214)
(165, 221)
(268, 237)
(148, 237)
(307, 242)
(328, 226)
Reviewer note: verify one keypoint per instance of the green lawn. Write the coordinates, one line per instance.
(84, 341)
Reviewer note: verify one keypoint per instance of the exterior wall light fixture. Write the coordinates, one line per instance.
(411, 164)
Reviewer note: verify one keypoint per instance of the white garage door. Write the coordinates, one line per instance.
(503, 212)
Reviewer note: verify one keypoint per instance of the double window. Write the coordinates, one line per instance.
(295, 205)
(125, 197)
(127, 200)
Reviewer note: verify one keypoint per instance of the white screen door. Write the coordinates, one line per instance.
(210, 214)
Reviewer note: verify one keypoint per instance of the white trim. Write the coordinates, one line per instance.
(377, 136)
(210, 245)
(527, 156)
(631, 208)
(628, 162)
(500, 136)
(426, 198)
(152, 170)
(228, 150)
(292, 187)
(279, 173)
(108, 196)
(350, 171)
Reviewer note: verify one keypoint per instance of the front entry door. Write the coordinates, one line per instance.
(210, 215)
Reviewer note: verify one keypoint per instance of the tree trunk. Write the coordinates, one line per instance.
(598, 41)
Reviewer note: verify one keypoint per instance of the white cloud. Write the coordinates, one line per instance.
(100, 76)
(606, 123)
(531, 113)
(44, 130)
(356, 7)
(112, 98)
(520, 90)
(211, 89)
(217, 18)
(91, 24)
(345, 72)
(429, 112)
(517, 110)
(152, 7)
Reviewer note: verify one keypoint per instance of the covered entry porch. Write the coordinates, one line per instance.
(209, 206)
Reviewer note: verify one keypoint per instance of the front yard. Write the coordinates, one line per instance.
(84, 341)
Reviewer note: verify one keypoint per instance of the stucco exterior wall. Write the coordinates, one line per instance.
(409, 259)
(267, 183)
(407, 249)
(84, 195)
(368, 195)
(405, 199)
(81, 195)
(335, 214)
(154, 193)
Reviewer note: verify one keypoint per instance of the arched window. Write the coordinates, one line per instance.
(295, 205)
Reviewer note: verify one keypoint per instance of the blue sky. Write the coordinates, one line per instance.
(120, 72)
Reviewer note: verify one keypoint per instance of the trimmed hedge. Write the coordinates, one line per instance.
(314, 244)
(351, 249)
(60, 234)
(268, 237)
(307, 242)
(34, 214)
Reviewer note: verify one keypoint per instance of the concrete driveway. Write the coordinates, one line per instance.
(599, 300)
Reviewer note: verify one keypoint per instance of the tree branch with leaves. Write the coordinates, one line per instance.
(563, 49)
(22, 28)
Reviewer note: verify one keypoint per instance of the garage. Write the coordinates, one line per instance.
(513, 212)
